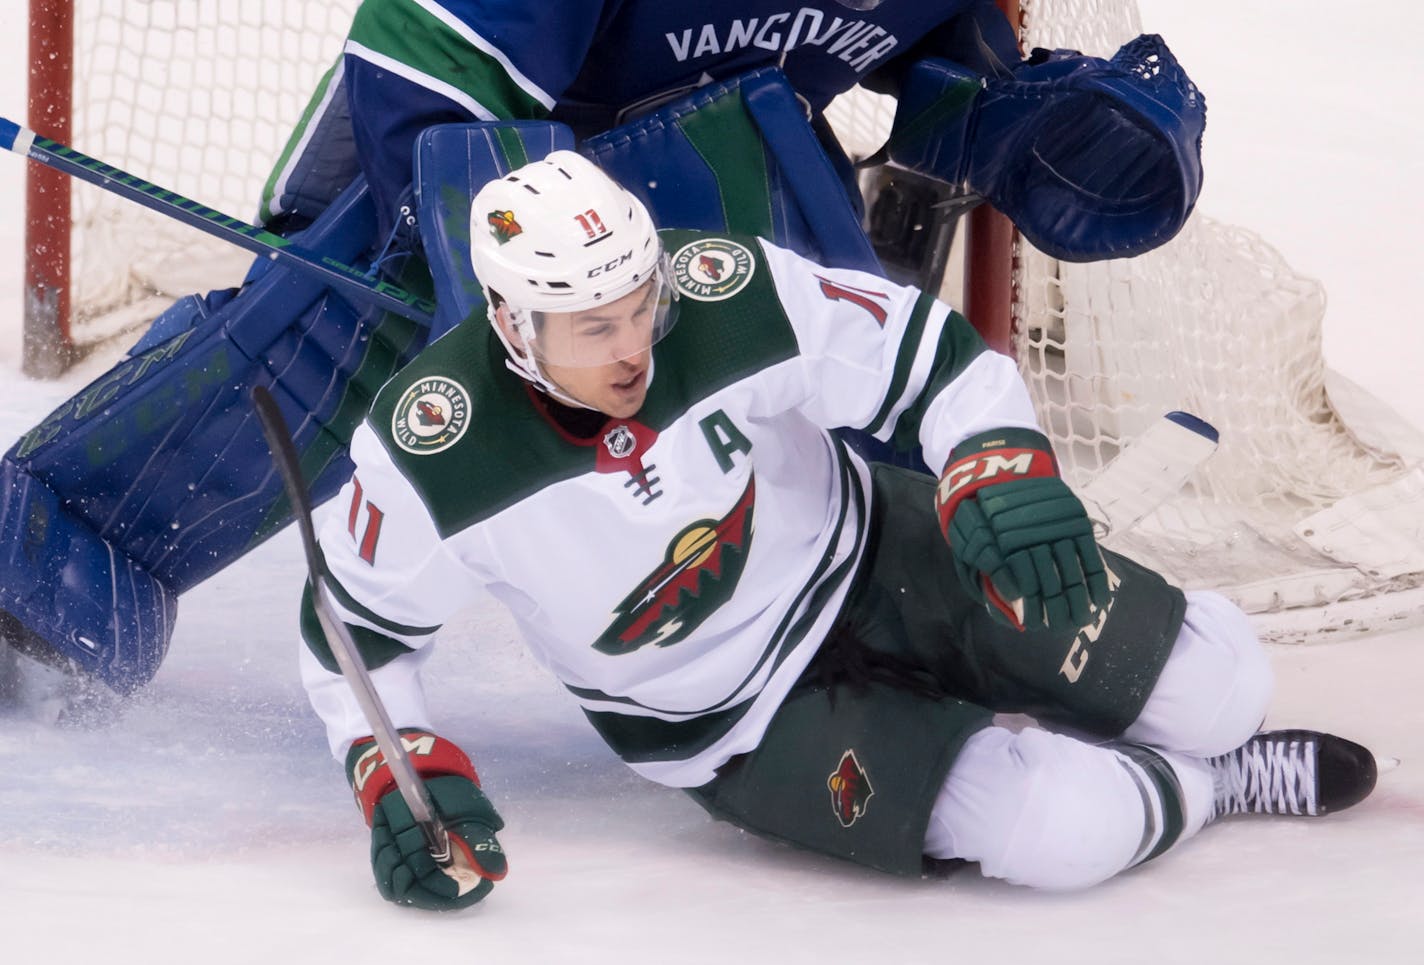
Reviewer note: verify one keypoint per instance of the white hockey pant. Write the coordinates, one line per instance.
(1052, 811)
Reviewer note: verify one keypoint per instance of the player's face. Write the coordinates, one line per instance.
(620, 332)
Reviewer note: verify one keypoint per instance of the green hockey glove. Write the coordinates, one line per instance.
(405, 872)
(1022, 542)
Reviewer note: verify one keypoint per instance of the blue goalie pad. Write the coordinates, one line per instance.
(740, 156)
(452, 162)
(693, 162)
(52, 605)
(156, 475)
(1089, 158)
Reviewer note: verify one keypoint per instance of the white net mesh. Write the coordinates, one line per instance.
(1311, 529)
(197, 96)
(1217, 324)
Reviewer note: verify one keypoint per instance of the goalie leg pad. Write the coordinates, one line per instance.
(161, 470)
(739, 156)
(69, 598)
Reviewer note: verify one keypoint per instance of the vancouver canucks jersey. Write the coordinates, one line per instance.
(409, 64)
(677, 570)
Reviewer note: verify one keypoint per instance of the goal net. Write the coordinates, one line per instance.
(1309, 526)
(1313, 526)
(197, 96)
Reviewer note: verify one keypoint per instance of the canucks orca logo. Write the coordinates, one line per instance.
(850, 790)
(503, 226)
(698, 574)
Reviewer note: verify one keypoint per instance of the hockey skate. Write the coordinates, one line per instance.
(1302, 772)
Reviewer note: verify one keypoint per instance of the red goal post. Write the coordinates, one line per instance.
(198, 96)
(48, 347)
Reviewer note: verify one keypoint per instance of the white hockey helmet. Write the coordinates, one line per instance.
(560, 236)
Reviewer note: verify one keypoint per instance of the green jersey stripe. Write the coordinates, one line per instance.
(344, 598)
(462, 28)
(409, 40)
(904, 362)
(327, 89)
(959, 345)
(376, 649)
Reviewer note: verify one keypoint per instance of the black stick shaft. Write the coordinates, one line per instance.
(411, 787)
(350, 281)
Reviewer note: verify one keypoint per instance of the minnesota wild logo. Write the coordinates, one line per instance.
(711, 269)
(431, 416)
(698, 574)
(850, 790)
(503, 225)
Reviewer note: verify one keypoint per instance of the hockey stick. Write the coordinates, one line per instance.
(1149, 471)
(348, 657)
(349, 281)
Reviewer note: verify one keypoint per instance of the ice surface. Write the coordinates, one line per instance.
(206, 823)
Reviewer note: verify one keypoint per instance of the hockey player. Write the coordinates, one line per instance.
(636, 458)
(154, 477)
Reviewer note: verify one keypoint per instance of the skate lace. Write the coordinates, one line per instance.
(1267, 777)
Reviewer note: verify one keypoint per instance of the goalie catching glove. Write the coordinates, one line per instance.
(405, 871)
(1022, 542)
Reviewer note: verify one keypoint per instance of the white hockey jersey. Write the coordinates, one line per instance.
(677, 571)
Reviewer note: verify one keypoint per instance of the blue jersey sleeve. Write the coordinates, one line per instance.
(413, 63)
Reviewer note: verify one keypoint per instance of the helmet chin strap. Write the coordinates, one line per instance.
(545, 386)
(526, 366)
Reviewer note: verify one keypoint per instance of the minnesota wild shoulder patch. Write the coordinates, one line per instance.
(431, 415)
(711, 269)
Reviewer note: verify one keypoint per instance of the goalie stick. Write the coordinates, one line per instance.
(348, 657)
(349, 281)
(1149, 471)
